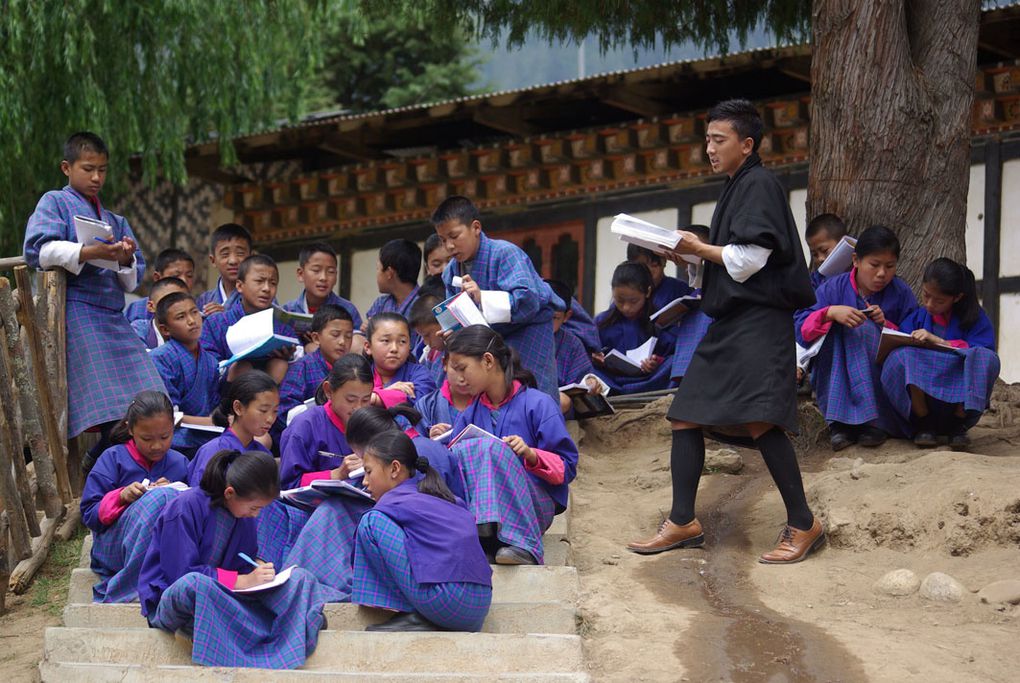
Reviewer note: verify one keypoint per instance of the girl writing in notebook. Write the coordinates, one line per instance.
(851, 310)
(125, 492)
(943, 394)
(417, 550)
(625, 326)
(517, 482)
(389, 347)
(204, 546)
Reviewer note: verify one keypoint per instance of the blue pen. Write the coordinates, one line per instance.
(100, 239)
(250, 561)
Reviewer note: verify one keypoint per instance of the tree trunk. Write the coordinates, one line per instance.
(892, 87)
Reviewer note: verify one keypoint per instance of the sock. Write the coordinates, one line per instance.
(686, 461)
(781, 460)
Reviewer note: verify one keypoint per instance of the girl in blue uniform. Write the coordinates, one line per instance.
(126, 491)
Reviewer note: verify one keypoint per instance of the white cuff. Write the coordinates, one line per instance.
(128, 275)
(804, 356)
(61, 254)
(694, 274)
(496, 306)
(744, 260)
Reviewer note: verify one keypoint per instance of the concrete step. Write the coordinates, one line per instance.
(509, 584)
(506, 617)
(63, 672)
(480, 654)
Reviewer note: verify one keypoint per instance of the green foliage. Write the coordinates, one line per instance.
(149, 77)
(400, 61)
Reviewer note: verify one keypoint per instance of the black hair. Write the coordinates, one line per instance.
(421, 310)
(433, 285)
(392, 446)
(327, 313)
(366, 422)
(636, 276)
(562, 290)
(455, 208)
(244, 389)
(877, 239)
(81, 142)
(634, 252)
(952, 279)
(830, 223)
(249, 473)
(164, 305)
(477, 340)
(742, 115)
(352, 367)
(168, 256)
(432, 242)
(144, 404)
(310, 250)
(255, 260)
(404, 257)
(702, 231)
(385, 317)
(228, 231)
(164, 282)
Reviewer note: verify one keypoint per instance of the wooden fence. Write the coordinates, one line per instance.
(38, 500)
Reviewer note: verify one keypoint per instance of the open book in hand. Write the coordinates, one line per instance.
(840, 258)
(253, 337)
(88, 231)
(585, 403)
(648, 235)
(894, 339)
(311, 496)
(301, 323)
(280, 579)
(674, 310)
(458, 311)
(628, 363)
(472, 432)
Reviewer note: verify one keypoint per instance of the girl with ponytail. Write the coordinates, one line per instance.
(531, 465)
(941, 395)
(126, 490)
(417, 551)
(203, 547)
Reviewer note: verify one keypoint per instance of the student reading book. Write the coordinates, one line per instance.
(229, 246)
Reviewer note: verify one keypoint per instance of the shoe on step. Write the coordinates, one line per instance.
(794, 544)
(841, 436)
(670, 536)
(926, 439)
(405, 621)
(871, 437)
(510, 554)
(959, 442)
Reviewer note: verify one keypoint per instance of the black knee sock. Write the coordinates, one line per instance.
(93, 453)
(781, 460)
(686, 461)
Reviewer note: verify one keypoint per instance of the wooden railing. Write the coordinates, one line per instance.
(33, 417)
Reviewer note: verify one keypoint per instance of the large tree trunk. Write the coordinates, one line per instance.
(892, 86)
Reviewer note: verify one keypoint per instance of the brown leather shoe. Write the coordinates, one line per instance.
(794, 545)
(670, 536)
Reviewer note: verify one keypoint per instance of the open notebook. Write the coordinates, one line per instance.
(253, 337)
(674, 310)
(280, 579)
(88, 231)
(458, 311)
(894, 339)
(648, 235)
(628, 363)
(311, 496)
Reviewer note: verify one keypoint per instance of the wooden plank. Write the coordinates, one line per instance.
(5, 573)
(12, 441)
(55, 441)
(20, 535)
(55, 283)
(11, 261)
(24, 572)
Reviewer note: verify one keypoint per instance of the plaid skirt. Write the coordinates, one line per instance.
(274, 629)
(118, 550)
(383, 579)
(325, 546)
(622, 384)
(107, 365)
(688, 335)
(499, 490)
(963, 378)
(279, 526)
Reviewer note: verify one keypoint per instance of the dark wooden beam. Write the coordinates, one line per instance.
(993, 225)
(504, 119)
(630, 100)
(348, 147)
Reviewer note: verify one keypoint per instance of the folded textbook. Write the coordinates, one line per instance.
(458, 311)
(894, 339)
(309, 497)
(628, 363)
(840, 258)
(89, 231)
(648, 235)
(674, 310)
(585, 403)
(253, 337)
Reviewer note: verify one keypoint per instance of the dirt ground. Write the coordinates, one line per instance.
(716, 614)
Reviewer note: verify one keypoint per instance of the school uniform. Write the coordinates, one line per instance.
(581, 324)
(965, 377)
(500, 487)
(316, 431)
(668, 290)
(419, 553)
(743, 370)
(624, 335)
(303, 378)
(227, 441)
(192, 385)
(436, 407)
(300, 305)
(846, 377)
(138, 310)
(573, 361)
(120, 533)
(106, 362)
(387, 303)
(432, 360)
(217, 295)
(418, 375)
(817, 279)
(190, 567)
(516, 302)
(147, 332)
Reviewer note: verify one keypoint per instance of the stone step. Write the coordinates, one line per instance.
(479, 654)
(64, 672)
(506, 617)
(509, 584)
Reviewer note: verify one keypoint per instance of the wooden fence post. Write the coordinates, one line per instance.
(5, 574)
(11, 437)
(20, 534)
(55, 283)
(55, 441)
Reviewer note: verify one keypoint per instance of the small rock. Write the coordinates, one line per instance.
(855, 468)
(942, 588)
(723, 460)
(1001, 592)
(898, 582)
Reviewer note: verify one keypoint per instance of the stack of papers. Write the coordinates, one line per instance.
(648, 235)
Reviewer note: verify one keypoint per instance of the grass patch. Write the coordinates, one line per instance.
(49, 589)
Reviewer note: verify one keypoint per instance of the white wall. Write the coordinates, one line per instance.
(1010, 227)
(290, 286)
(1009, 349)
(363, 288)
(976, 219)
(798, 206)
(611, 252)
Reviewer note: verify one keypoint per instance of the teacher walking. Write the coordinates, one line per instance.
(743, 373)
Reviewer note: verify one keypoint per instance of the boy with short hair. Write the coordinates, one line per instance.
(317, 271)
(189, 372)
(106, 364)
(147, 328)
(423, 323)
(823, 233)
(397, 279)
(664, 287)
(257, 280)
(502, 281)
(229, 245)
(169, 263)
(332, 331)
